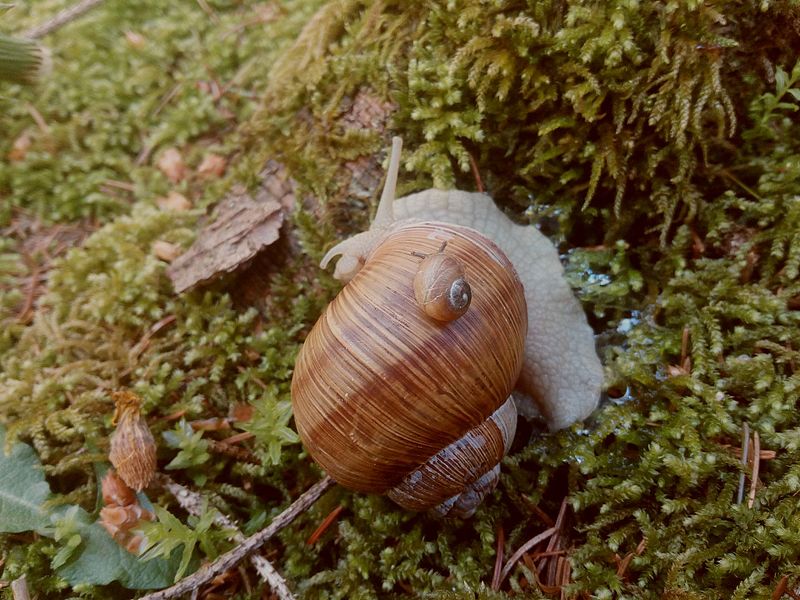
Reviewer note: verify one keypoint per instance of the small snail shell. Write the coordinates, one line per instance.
(440, 286)
(389, 401)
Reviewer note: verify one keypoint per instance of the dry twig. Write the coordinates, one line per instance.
(192, 502)
(231, 558)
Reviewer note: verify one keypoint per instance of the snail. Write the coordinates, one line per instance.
(389, 398)
(440, 286)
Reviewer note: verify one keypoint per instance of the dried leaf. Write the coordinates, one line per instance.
(133, 449)
(135, 40)
(173, 201)
(20, 147)
(166, 251)
(115, 491)
(171, 164)
(213, 165)
(242, 227)
(119, 520)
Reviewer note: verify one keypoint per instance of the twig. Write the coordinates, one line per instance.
(122, 185)
(522, 549)
(686, 366)
(555, 540)
(19, 589)
(144, 342)
(754, 475)
(192, 502)
(745, 453)
(234, 452)
(38, 118)
(255, 541)
(238, 437)
(62, 18)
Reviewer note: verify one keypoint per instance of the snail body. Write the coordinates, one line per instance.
(391, 399)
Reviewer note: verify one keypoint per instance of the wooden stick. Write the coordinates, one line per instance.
(228, 560)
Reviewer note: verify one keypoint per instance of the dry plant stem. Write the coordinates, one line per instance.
(255, 541)
(751, 499)
(65, 16)
(745, 453)
(192, 502)
(19, 589)
(498, 563)
(522, 550)
(780, 589)
(323, 527)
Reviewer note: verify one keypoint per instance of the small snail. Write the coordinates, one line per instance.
(389, 398)
(440, 286)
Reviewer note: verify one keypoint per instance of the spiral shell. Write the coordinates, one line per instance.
(388, 400)
(441, 288)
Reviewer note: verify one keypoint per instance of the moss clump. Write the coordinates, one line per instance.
(655, 142)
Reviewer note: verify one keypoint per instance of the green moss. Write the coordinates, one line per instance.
(654, 142)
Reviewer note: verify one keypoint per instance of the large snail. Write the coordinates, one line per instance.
(403, 385)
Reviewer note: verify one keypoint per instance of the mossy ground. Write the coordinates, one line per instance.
(655, 142)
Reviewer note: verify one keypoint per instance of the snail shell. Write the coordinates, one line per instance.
(440, 286)
(390, 401)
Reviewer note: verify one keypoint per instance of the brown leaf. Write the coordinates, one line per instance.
(119, 521)
(173, 201)
(213, 165)
(166, 251)
(241, 228)
(20, 147)
(171, 164)
(115, 491)
(135, 40)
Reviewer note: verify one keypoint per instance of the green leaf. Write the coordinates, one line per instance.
(168, 533)
(193, 448)
(270, 425)
(102, 560)
(86, 553)
(23, 490)
(781, 80)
